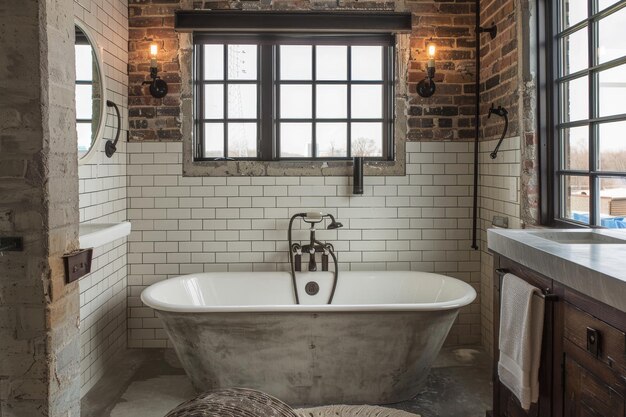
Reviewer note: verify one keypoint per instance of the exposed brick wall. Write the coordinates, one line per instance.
(448, 115)
(499, 72)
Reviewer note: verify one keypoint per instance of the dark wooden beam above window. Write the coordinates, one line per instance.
(288, 21)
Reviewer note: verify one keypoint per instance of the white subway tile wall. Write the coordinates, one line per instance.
(499, 196)
(102, 187)
(181, 225)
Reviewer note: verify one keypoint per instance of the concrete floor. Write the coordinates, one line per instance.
(150, 382)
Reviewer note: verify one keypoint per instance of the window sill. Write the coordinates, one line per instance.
(193, 168)
(296, 168)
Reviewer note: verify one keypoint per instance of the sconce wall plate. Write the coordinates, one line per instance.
(158, 88)
(426, 88)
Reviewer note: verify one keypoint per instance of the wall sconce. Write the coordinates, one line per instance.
(426, 87)
(158, 87)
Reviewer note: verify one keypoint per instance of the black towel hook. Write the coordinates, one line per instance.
(111, 145)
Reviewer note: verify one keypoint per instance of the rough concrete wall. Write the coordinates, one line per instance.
(39, 189)
(448, 115)
(102, 188)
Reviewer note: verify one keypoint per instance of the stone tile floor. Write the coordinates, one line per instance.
(150, 382)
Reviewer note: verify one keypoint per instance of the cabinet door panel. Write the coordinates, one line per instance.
(587, 395)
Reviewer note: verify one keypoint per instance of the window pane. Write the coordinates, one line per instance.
(331, 139)
(242, 101)
(331, 62)
(213, 101)
(603, 4)
(572, 12)
(575, 142)
(295, 140)
(613, 203)
(367, 62)
(242, 140)
(367, 139)
(367, 101)
(574, 50)
(84, 104)
(242, 62)
(295, 101)
(575, 99)
(576, 198)
(83, 131)
(331, 101)
(213, 62)
(613, 91)
(213, 140)
(612, 34)
(612, 145)
(295, 62)
(84, 63)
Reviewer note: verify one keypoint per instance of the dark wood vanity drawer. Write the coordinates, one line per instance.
(601, 340)
(586, 395)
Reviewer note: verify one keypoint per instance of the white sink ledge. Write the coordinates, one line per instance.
(92, 235)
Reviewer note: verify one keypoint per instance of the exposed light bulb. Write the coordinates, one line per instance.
(431, 49)
(154, 49)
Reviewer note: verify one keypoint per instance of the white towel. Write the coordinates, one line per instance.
(521, 329)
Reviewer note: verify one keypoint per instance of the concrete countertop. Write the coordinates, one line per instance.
(596, 269)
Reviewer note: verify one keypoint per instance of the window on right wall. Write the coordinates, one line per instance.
(587, 132)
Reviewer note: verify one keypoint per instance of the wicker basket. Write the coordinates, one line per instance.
(352, 411)
(233, 402)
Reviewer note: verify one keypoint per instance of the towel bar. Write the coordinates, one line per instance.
(546, 295)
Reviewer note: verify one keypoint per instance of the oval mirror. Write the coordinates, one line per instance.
(90, 109)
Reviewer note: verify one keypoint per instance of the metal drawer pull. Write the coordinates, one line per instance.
(593, 341)
(546, 295)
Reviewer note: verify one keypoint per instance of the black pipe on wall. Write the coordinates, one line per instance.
(493, 30)
(477, 132)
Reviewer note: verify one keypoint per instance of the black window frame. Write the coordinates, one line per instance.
(268, 140)
(549, 105)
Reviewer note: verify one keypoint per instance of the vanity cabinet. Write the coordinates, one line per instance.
(592, 351)
(583, 361)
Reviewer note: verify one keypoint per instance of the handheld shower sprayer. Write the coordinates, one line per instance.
(314, 217)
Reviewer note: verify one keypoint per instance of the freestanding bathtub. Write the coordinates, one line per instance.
(374, 345)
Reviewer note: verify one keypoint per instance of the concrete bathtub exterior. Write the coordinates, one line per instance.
(374, 345)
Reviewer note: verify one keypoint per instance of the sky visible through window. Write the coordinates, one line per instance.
(328, 97)
(84, 107)
(611, 93)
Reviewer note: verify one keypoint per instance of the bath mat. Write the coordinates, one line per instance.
(352, 411)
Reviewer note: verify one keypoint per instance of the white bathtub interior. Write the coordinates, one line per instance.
(386, 290)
